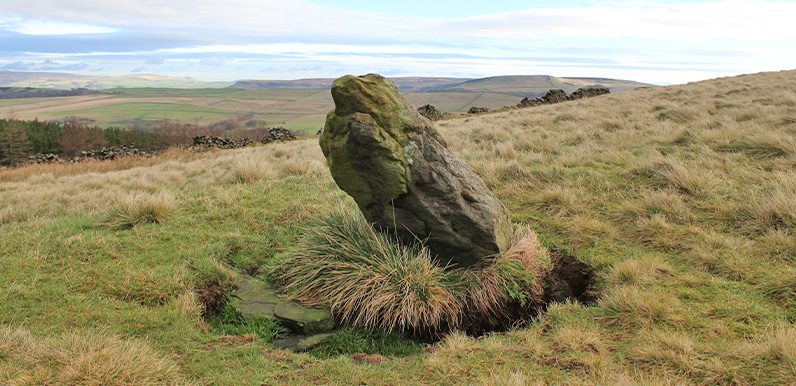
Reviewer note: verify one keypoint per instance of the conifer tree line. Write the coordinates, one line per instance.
(20, 139)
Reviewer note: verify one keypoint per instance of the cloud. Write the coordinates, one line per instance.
(215, 19)
(54, 27)
(49, 65)
(213, 61)
(732, 19)
(18, 66)
(645, 40)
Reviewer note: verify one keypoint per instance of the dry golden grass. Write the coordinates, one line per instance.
(509, 378)
(559, 201)
(51, 190)
(668, 204)
(631, 306)
(368, 279)
(658, 233)
(782, 345)
(139, 209)
(82, 358)
(249, 170)
(779, 243)
(639, 272)
(694, 182)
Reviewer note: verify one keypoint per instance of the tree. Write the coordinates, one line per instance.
(14, 144)
(77, 138)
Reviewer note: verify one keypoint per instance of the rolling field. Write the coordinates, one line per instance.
(681, 199)
(301, 110)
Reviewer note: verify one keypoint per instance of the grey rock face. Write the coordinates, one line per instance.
(397, 167)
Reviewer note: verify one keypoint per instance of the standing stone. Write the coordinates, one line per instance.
(397, 167)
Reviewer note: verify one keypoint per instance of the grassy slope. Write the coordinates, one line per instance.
(683, 198)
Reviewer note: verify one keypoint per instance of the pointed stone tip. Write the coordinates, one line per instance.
(365, 94)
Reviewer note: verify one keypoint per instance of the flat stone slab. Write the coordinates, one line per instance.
(256, 297)
(302, 343)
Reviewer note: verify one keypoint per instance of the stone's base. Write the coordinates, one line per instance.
(256, 297)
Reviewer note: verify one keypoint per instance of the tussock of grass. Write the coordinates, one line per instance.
(694, 182)
(10, 215)
(779, 243)
(658, 233)
(674, 351)
(370, 280)
(668, 204)
(138, 209)
(558, 201)
(515, 278)
(782, 346)
(83, 358)
(637, 272)
(585, 231)
(188, 307)
(675, 114)
(769, 144)
(631, 306)
(509, 378)
(781, 286)
(251, 170)
(213, 283)
(776, 210)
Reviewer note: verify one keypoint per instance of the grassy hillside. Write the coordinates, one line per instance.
(682, 199)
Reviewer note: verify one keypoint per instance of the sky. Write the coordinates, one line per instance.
(657, 41)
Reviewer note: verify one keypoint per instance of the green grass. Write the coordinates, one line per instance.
(268, 94)
(352, 340)
(21, 101)
(228, 321)
(150, 111)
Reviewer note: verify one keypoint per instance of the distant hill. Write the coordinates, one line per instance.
(518, 85)
(65, 81)
(405, 84)
(535, 85)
